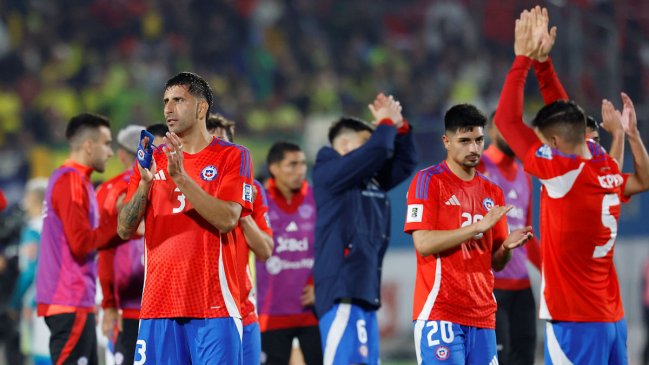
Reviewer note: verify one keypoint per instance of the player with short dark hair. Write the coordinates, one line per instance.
(285, 280)
(72, 232)
(457, 220)
(351, 180)
(580, 296)
(192, 197)
(221, 127)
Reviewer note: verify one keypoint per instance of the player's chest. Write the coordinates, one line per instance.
(462, 207)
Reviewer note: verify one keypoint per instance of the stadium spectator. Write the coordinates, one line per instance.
(458, 225)
(72, 232)
(516, 312)
(351, 180)
(581, 293)
(194, 192)
(285, 280)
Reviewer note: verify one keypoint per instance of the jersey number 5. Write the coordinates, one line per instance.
(181, 200)
(609, 221)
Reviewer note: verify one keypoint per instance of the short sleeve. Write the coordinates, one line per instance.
(260, 209)
(236, 182)
(422, 200)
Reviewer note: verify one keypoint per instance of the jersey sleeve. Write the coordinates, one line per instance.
(260, 210)
(237, 183)
(555, 170)
(423, 204)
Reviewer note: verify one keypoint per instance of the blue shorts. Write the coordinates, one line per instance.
(251, 344)
(443, 342)
(189, 341)
(590, 343)
(350, 335)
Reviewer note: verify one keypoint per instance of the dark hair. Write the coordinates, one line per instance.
(278, 150)
(197, 86)
(565, 118)
(463, 117)
(83, 122)
(347, 124)
(592, 123)
(216, 120)
(158, 129)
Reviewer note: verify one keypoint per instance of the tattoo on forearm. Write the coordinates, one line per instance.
(133, 212)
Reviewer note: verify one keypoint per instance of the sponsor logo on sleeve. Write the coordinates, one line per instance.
(247, 193)
(415, 213)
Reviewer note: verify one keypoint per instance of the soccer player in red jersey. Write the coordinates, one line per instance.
(457, 220)
(192, 197)
(580, 205)
(253, 233)
(72, 232)
(121, 269)
(3, 201)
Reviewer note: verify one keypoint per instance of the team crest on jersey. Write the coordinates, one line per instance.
(363, 350)
(209, 173)
(488, 203)
(545, 152)
(442, 352)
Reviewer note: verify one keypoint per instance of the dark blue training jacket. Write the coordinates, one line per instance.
(354, 213)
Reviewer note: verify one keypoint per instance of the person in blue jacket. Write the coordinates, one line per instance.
(351, 179)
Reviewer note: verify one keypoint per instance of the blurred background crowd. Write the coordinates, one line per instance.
(285, 69)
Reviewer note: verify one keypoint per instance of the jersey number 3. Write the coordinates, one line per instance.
(181, 200)
(609, 221)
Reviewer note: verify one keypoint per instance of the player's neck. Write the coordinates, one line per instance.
(287, 192)
(195, 139)
(461, 171)
(580, 150)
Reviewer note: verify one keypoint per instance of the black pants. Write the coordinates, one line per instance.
(125, 343)
(10, 337)
(276, 345)
(73, 338)
(515, 326)
(645, 351)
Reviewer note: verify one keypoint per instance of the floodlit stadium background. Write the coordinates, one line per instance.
(286, 69)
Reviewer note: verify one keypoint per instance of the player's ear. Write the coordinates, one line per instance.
(446, 141)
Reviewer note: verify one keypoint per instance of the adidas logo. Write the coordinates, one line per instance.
(512, 194)
(160, 175)
(292, 227)
(453, 201)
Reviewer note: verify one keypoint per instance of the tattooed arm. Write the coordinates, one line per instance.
(131, 214)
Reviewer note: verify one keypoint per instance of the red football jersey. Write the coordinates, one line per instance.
(580, 208)
(191, 268)
(455, 285)
(248, 295)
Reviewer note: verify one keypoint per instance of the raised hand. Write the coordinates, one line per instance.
(492, 217)
(543, 39)
(631, 123)
(386, 107)
(612, 120)
(524, 44)
(173, 149)
(518, 237)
